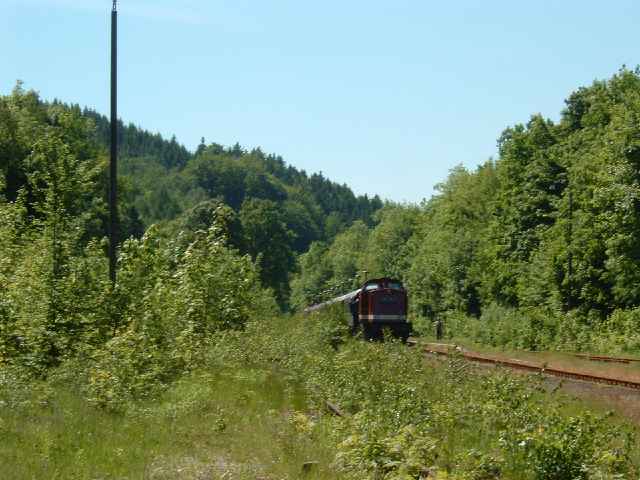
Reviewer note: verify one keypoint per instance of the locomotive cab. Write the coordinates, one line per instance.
(381, 304)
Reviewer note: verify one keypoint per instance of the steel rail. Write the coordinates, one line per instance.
(603, 358)
(529, 367)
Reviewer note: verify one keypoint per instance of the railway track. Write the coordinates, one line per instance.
(534, 368)
(602, 358)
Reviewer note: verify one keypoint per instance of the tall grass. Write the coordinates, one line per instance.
(223, 424)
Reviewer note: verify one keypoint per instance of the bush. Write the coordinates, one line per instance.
(172, 304)
(543, 329)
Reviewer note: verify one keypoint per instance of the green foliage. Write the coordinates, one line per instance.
(210, 424)
(57, 307)
(171, 304)
(563, 450)
(537, 249)
(162, 182)
(403, 455)
(167, 181)
(48, 155)
(530, 329)
(313, 208)
(269, 242)
(387, 251)
(50, 300)
(405, 418)
(138, 143)
(309, 286)
(446, 266)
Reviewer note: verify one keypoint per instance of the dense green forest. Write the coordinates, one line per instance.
(168, 180)
(539, 247)
(272, 210)
(541, 244)
(246, 215)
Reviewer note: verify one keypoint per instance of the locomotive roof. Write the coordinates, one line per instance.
(383, 280)
(347, 297)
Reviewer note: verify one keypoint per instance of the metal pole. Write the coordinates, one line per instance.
(570, 252)
(113, 168)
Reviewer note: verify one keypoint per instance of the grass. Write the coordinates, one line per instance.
(254, 410)
(409, 416)
(241, 424)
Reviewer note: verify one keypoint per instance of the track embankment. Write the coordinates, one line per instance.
(532, 367)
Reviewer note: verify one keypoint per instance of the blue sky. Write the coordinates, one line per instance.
(384, 96)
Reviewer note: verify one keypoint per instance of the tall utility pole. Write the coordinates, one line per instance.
(570, 252)
(113, 168)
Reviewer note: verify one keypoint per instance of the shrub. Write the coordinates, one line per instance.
(172, 305)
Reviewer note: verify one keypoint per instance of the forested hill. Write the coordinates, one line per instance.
(232, 174)
(137, 142)
(273, 211)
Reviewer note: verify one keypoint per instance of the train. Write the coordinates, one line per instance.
(380, 305)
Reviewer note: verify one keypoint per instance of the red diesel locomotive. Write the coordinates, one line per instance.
(379, 305)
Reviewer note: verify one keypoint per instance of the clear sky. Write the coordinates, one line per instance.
(384, 96)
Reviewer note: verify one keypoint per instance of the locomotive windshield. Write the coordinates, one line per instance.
(384, 283)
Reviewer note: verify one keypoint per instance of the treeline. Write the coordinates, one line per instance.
(276, 211)
(273, 211)
(137, 142)
(57, 306)
(219, 257)
(542, 244)
(168, 180)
